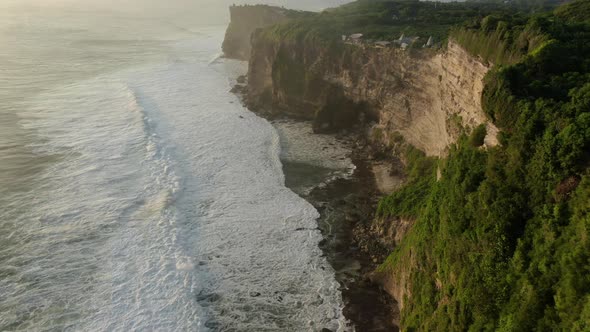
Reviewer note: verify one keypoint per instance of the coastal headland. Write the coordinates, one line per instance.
(462, 149)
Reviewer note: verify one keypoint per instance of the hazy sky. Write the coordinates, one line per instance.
(208, 11)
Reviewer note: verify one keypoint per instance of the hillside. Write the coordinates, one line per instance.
(491, 230)
(501, 240)
(245, 19)
(384, 20)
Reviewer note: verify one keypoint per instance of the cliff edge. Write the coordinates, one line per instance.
(244, 21)
(428, 97)
(487, 236)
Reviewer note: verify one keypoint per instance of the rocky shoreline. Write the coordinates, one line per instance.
(347, 209)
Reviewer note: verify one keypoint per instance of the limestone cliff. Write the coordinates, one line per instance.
(428, 97)
(466, 233)
(244, 21)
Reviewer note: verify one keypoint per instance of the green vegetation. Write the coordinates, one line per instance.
(502, 240)
(289, 73)
(408, 201)
(384, 20)
(578, 11)
(525, 5)
(500, 39)
(261, 8)
(478, 136)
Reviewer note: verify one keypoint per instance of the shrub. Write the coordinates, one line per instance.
(478, 136)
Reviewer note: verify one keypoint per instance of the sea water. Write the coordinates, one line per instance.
(136, 193)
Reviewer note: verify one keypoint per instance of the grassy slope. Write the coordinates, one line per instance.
(502, 241)
(375, 19)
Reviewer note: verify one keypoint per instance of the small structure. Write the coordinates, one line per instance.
(405, 42)
(429, 43)
(356, 38)
(382, 44)
(395, 17)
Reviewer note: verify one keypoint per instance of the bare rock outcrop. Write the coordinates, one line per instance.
(428, 97)
(245, 20)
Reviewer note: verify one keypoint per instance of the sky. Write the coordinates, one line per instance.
(208, 11)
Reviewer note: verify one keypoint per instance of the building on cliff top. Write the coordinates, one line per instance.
(382, 44)
(404, 42)
(355, 38)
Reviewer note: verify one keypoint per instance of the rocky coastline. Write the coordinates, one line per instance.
(467, 231)
(390, 101)
(347, 208)
(346, 213)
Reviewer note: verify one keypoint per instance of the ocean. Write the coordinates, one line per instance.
(136, 192)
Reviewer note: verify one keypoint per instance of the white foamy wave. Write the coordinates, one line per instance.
(254, 241)
(216, 58)
(301, 144)
(165, 209)
(112, 195)
(162, 297)
(328, 156)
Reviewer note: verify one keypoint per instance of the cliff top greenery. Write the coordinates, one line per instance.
(291, 13)
(387, 19)
(507, 38)
(501, 241)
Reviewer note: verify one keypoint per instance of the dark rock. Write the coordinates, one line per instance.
(237, 89)
(350, 216)
(212, 324)
(343, 241)
(207, 299)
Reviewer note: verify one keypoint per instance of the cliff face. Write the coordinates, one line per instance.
(425, 96)
(465, 228)
(244, 21)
